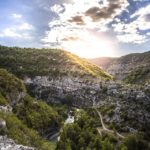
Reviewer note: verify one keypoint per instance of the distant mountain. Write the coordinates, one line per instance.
(132, 68)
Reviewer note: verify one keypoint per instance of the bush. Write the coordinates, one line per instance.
(136, 142)
(21, 134)
(3, 101)
(37, 115)
(10, 86)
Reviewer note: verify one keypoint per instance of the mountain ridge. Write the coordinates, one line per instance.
(132, 68)
(28, 61)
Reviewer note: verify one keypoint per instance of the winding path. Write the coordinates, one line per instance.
(104, 127)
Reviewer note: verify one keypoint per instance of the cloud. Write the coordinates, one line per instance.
(17, 16)
(57, 8)
(70, 38)
(132, 38)
(8, 32)
(148, 33)
(12, 33)
(112, 9)
(132, 32)
(77, 19)
(73, 20)
(142, 11)
(25, 26)
(20, 29)
(143, 18)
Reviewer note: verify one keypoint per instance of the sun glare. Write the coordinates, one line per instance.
(92, 47)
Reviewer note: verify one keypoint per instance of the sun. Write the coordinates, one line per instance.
(92, 47)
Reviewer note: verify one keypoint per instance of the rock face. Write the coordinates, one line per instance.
(2, 123)
(6, 108)
(56, 76)
(9, 144)
(133, 66)
(73, 91)
(129, 105)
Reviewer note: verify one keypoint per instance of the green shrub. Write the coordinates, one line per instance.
(37, 115)
(136, 142)
(3, 101)
(21, 134)
(83, 135)
(10, 86)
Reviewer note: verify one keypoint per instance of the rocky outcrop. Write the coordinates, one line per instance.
(2, 123)
(130, 66)
(6, 108)
(9, 144)
(130, 104)
(65, 90)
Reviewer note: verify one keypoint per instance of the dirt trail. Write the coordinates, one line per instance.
(104, 127)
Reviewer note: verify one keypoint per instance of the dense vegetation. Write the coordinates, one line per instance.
(3, 101)
(38, 115)
(51, 62)
(83, 135)
(140, 75)
(22, 134)
(30, 120)
(10, 86)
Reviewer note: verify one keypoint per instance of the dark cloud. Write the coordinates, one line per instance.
(70, 38)
(77, 19)
(97, 13)
(147, 17)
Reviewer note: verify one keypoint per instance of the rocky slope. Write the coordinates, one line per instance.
(22, 118)
(9, 144)
(133, 68)
(53, 75)
(59, 77)
(81, 84)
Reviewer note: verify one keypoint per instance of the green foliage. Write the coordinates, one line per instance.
(50, 62)
(123, 147)
(140, 75)
(82, 135)
(89, 68)
(62, 110)
(3, 101)
(107, 109)
(10, 86)
(19, 132)
(9, 82)
(37, 115)
(136, 142)
(106, 145)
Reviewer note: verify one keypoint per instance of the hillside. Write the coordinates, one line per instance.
(47, 62)
(50, 87)
(53, 75)
(132, 68)
(30, 122)
(23, 118)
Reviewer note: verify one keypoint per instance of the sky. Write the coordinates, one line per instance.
(87, 28)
